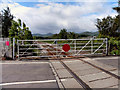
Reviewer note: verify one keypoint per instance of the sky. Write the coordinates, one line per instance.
(50, 16)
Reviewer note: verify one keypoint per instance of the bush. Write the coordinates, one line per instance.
(114, 46)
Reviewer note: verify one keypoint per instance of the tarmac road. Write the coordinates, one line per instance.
(108, 60)
(27, 75)
(20, 74)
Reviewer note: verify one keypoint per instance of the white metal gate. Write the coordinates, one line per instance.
(53, 48)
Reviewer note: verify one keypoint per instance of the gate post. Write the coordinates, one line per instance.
(92, 45)
(18, 49)
(75, 46)
(106, 46)
(13, 48)
(56, 48)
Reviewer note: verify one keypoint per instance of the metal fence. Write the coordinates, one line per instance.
(53, 48)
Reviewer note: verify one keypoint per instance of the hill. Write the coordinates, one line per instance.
(83, 34)
(43, 35)
(89, 33)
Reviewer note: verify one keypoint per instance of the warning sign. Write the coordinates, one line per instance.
(66, 47)
(7, 43)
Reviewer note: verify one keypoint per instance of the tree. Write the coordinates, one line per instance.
(72, 35)
(28, 34)
(6, 21)
(63, 34)
(108, 26)
(19, 30)
(55, 36)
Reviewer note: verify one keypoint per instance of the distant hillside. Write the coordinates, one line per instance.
(89, 33)
(43, 35)
(83, 34)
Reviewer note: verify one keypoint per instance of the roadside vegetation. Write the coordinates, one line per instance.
(14, 29)
(109, 27)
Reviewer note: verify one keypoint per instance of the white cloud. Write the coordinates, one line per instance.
(77, 0)
(54, 16)
(59, 0)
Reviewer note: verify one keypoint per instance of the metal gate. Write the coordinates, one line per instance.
(53, 48)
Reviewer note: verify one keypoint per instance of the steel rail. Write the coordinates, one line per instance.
(114, 75)
(81, 82)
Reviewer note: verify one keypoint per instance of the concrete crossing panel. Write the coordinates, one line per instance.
(105, 83)
(94, 77)
(71, 83)
(87, 71)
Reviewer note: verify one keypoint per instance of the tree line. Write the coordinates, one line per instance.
(64, 34)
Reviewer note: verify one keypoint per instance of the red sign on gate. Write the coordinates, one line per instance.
(7, 43)
(66, 47)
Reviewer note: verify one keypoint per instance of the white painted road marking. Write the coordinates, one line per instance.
(30, 82)
(25, 63)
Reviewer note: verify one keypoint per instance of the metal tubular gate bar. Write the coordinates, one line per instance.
(98, 47)
(83, 47)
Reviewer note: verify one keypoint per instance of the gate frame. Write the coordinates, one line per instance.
(105, 41)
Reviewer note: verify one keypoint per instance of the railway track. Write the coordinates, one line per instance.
(82, 73)
(114, 75)
(53, 51)
(82, 83)
(86, 77)
(78, 74)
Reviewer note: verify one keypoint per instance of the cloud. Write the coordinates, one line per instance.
(59, 0)
(51, 17)
(77, 0)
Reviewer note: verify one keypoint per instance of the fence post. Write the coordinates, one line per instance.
(18, 49)
(106, 46)
(91, 45)
(56, 48)
(75, 46)
(13, 48)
